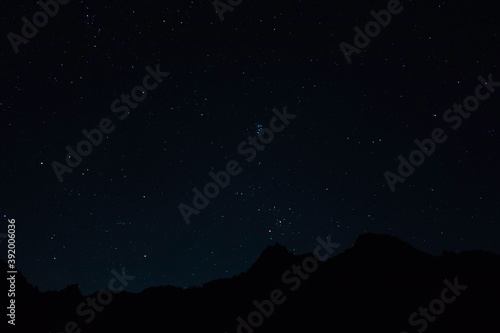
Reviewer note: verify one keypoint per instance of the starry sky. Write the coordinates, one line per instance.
(322, 175)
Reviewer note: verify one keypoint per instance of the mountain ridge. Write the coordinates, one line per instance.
(380, 278)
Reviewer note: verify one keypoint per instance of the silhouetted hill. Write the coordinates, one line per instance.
(375, 286)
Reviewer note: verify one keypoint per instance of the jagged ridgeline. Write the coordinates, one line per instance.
(381, 284)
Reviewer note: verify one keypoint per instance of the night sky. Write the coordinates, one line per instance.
(322, 174)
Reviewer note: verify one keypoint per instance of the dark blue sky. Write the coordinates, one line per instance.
(322, 175)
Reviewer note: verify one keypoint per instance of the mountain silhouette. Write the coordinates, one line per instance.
(377, 285)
